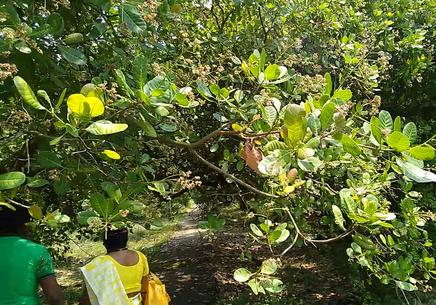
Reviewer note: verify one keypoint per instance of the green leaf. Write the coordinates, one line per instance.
(11, 180)
(269, 267)
(162, 111)
(56, 140)
(60, 100)
(406, 286)
(56, 23)
(48, 159)
(133, 19)
(370, 204)
(121, 80)
(314, 124)
(255, 286)
(422, 152)
(273, 164)
(329, 84)
(112, 190)
(147, 128)
(27, 93)
(10, 14)
(339, 219)
(140, 70)
(72, 55)
(72, 130)
(305, 152)
(326, 116)
(272, 72)
(104, 127)
(256, 230)
(82, 217)
(350, 146)
(203, 89)
(74, 38)
(270, 115)
(168, 127)
(311, 164)
(61, 186)
(242, 275)
(215, 89)
(376, 130)
(386, 120)
(101, 205)
(397, 124)
(296, 123)
(284, 234)
(273, 285)
(182, 99)
(37, 182)
(343, 94)
(254, 63)
(416, 173)
(273, 145)
(411, 132)
(23, 47)
(398, 141)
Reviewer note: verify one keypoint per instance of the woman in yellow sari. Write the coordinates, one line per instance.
(119, 277)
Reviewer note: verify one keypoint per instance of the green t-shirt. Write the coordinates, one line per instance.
(23, 264)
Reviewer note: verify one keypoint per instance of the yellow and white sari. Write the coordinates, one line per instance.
(104, 285)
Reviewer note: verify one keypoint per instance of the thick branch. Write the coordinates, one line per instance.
(237, 180)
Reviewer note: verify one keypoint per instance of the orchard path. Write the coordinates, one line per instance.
(184, 265)
(198, 271)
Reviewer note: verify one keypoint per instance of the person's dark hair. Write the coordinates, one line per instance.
(13, 221)
(115, 239)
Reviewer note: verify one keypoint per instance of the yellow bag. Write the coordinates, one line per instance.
(156, 293)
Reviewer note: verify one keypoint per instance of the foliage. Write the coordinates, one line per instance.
(131, 95)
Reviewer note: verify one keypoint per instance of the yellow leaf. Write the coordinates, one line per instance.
(237, 127)
(89, 106)
(289, 189)
(112, 154)
(35, 211)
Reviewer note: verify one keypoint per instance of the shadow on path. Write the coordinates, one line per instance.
(184, 265)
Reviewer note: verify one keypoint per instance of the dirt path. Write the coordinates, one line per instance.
(183, 264)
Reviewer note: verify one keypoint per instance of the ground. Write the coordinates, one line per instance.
(197, 267)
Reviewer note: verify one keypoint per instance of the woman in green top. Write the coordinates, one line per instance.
(24, 264)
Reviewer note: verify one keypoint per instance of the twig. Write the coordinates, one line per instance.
(290, 247)
(17, 203)
(237, 180)
(215, 16)
(265, 32)
(319, 241)
(28, 156)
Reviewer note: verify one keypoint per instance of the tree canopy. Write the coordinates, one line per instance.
(320, 113)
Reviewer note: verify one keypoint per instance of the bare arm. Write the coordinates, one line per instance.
(52, 291)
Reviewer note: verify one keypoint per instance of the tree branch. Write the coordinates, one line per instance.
(237, 180)
(319, 241)
(265, 32)
(16, 203)
(217, 22)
